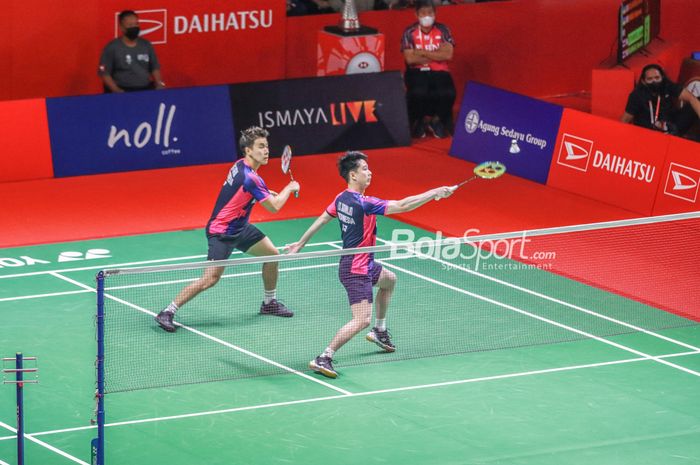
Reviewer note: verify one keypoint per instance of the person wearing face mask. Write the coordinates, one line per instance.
(427, 47)
(129, 63)
(654, 103)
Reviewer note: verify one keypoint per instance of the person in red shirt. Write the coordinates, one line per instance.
(427, 48)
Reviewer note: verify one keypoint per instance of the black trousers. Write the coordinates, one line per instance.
(150, 86)
(429, 93)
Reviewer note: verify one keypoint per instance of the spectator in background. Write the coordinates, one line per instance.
(398, 4)
(296, 8)
(427, 47)
(308, 7)
(129, 62)
(654, 103)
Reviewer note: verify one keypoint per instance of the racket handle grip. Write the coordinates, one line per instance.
(451, 189)
(296, 194)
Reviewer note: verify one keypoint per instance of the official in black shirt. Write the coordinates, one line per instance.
(654, 103)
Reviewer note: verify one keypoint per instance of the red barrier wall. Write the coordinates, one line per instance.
(606, 160)
(535, 47)
(25, 152)
(53, 48)
(679, 23)
(679, 189)
(529, 47)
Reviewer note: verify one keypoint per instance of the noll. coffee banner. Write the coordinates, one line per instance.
(326, 114)
(140, 130)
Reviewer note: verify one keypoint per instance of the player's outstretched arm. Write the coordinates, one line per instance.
(414, 201)
(313, 229)
(275, 202)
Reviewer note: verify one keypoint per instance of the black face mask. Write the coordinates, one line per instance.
(132, 32)
(655, 86)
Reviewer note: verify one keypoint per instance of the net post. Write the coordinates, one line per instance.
(20, 407)
(98, 444)
(19, 383)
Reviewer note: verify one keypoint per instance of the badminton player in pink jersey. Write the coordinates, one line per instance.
(229, 227)
(357, 217)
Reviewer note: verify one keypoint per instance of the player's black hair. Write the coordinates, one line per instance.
(348, 162)
(249, 136)
(126, 14)
(425, 4)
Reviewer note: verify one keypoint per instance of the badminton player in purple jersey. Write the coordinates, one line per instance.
(229, 227)
(357, 216)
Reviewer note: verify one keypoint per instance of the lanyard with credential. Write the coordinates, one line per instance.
(654, 116)
(421, 36)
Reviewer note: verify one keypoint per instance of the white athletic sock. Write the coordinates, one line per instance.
(270, 296)
(328, 353)
(172, 308)
(380, 324)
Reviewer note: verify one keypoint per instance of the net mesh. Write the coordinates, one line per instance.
(451, 297)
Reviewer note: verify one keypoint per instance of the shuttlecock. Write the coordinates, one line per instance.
(514, 148)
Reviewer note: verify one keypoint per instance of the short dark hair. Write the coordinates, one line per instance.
(249, 136)
(424, 4)
(348, 162)
(125, 14)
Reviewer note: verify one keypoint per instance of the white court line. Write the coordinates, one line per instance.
(546, 320)
(551, 299)
(43, 444)
(39, 296)
(161, 283)
(100, 267)
(145, 262)
(362, 394)
(212, 338)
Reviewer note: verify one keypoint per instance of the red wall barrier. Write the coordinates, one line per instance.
(53, 48)
(679, 23)
(679, 189)
(530, 47)
(25, 152)
(533, 47)
(609, 161)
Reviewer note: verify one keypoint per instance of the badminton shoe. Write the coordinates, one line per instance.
(419, 129)
(275, 308)
(323, 365)
(165, 321)
(438, 130)
(382, 339)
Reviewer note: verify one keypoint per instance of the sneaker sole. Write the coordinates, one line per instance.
(383, 346)
(325, 372)
(283, 315)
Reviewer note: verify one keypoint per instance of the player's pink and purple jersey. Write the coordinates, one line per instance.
(243, 187)
(356, 214)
